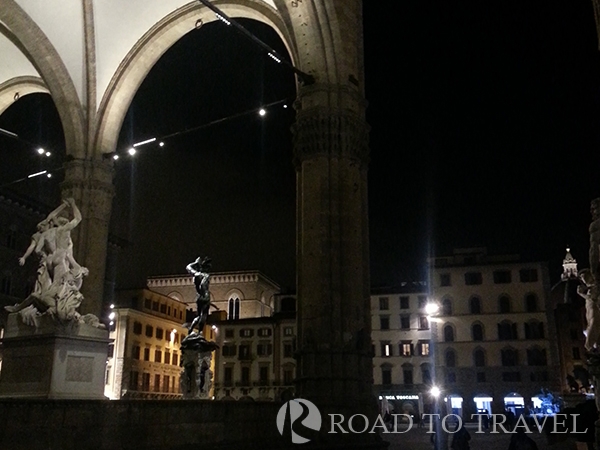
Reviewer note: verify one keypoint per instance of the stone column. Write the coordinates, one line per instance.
(334, 332)
(89, 182)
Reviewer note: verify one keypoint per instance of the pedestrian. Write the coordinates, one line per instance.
(460, 438)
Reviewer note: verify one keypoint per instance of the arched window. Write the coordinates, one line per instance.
(450, 358)
(531, 303)
(448, 333)
(504, 304)
(475, 305)
(534, 329)
(479, 357)
(507, 330)
(536, 357)
(233, 308)
(477, 332)
(447, 307)
(509, 356)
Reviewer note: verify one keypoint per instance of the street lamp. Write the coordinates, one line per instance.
(432, 308)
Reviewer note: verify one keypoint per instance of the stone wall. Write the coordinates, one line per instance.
(137, 425)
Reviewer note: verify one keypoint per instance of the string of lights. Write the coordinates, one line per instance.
(133, 149)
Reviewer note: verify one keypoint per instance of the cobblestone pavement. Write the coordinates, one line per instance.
(418, 439)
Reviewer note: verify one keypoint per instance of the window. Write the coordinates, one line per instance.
(136, 352)
(509, 357)
(168, 310)
(475, 305)
(149, 331)
(473, 278)
(111, 350)
(537, 357)
(504, 304)
(154, 306)
(448, 333)
(228, 350)
(288, 376)
(408, 376)
(426, 375)
(159, 333)
(507, 331)
(445, 279)
(406, 349)
(134, 379)
(146, 354)
(404, 303)
(167, 357)
(405, 322)
(479, 358)
(422, 301)
(145, 382)
(264, 332)
(502, 277)
(166, 383)
(288, 331)
(246, 332)
(157, 356)
(423, 323)
(137, 328)
(147, 303)
(534, 329)
(531, 303)
(264, 349)
(386, 349)
(288, 350)
(477, 332)
(528, 275)
(481, 377)
(163, 308)
(229, 332)
(233, 308)
(386, 375)
(450, 358)
(157, 383)
(447, 307)
(424, 348)
(228, 375)
(263, 374)
(245, 351)
(384, 323)
(245, 375)
(384, 303)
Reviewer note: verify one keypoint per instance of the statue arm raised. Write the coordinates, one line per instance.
(29, 250)
(76, 215)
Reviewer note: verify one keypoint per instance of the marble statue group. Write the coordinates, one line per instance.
(59, 277)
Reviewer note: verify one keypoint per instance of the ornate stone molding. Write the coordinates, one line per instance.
(215, 278)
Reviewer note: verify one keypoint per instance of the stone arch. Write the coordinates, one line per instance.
(38, 49)
(18, 87)
(150, 47)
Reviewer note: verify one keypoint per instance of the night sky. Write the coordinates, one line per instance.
(485, 132)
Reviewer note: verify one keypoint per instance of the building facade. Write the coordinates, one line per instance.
(494, 334)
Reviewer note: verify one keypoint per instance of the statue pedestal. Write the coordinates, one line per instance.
(53, 361)
(196, 376)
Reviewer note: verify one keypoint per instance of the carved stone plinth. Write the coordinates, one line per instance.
(196, 376)
(53, 361)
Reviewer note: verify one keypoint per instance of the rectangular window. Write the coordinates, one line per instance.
(146, 354)
(473, 278)
(134, 379)
(404, 302)
(166, 383)
(502, 277)
(426, 374)
(386, 349)
(145, 382)
(405, 322)
(386, 375)
(228, 350)
(167, 357)
(264, 349)
(445, 279)
(137, 328)
(423, 323)
(288, 350)
(175, 360)
(163, 308)
(154, 306)
(422, 301)
(228, 375)
(408, 376)
(245, 351)
(229, 333)
(135, 352)
(384, 323)
(384, 303)
(149, 331)
(288, 331)
(147, 303)
(111, 350)
(245, 375)
(288, 377)
(528, 275)
(159, 333)
(263, 374)
(246, 332)
(264, 332)
(406, 349)
(424, 350)
(157, 383)
(157, 356)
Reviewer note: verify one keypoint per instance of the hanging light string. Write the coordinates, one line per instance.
(132, 150)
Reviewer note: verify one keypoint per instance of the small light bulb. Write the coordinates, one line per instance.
(41, 151)
(262, 112)
(112, 305)
(48, 154)
(115, 156)
(161, 144)
(49, 175)
(131, 151)
(285, 106)
(111, 316)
